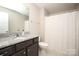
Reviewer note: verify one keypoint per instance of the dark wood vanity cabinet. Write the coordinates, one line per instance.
(25, 48)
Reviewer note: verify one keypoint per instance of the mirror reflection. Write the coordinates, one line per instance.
(14, 20)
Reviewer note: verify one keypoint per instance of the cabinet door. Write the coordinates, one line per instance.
(7, 51)
(32, 50)
(20, 53)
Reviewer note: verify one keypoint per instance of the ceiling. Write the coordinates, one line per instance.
(53, 8)
(50, 8)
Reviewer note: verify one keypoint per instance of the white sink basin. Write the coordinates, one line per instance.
(18, 38)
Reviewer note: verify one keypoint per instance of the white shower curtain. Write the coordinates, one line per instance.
(60, 33)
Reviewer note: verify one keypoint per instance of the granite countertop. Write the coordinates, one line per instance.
(4, 42)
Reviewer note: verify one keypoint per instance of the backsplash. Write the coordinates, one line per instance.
(4, 35)
(12, 34)
(7, 35)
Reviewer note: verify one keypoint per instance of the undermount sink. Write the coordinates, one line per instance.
(19, 38)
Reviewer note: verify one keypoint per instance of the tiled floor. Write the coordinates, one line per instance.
(48, 52)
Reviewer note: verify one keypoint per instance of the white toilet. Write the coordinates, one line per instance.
(43, 48)
(43, 45)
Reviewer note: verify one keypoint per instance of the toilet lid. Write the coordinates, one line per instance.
(43, 44)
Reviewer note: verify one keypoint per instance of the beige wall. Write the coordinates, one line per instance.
(34, 19)
(42, 24)
(16, 20)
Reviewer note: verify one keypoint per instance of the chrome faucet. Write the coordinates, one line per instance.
(17, 35)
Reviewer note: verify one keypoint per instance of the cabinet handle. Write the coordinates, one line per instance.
(24, 52)
(3, 53)
(28, 50)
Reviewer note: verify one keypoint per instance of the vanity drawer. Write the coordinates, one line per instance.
(22, 45)
(7, 51)
(35, 39)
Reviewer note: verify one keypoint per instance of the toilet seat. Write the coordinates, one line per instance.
(44, 44)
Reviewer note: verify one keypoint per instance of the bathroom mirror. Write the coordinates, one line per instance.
(14, 18)
(3, 22)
